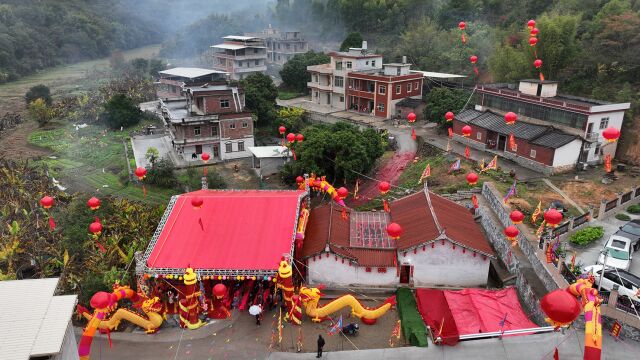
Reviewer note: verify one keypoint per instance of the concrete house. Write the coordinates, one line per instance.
(441, 245)
(282, 46)
(240, 56)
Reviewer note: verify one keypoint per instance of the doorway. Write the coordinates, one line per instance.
(198, 149)
(216, 151)
(502, 142)
(405, 274)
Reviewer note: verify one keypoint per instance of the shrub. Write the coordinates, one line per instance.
(587, 235)
(623, 217)
(120, 111)
(38, 92)
(634, 209)
(161, 174)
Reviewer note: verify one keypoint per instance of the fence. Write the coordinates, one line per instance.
(582, 219)
(626, 197)
(608, 207)
(562, 229)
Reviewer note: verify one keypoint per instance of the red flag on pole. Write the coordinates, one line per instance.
(385, 203)
(556, 356)
(450, 131)
(52, 224)
(467, 152)
(607, 163)
(512, 142)
(413, 134)
(474, 200)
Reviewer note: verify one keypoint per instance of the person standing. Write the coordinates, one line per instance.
(320, 345)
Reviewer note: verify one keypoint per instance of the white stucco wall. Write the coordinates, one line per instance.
(615, 120)
(444, 266)
(567, 154)
(235, 154)
(330, 272)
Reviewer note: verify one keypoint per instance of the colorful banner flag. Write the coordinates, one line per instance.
(512, 142)
(474, 201)
(448, 146)
(493, 165)
(540, 229)
(395, 333)
(450, 132)
(455, 166)
(336, 327)
(413, 134)
(280, 326)
(536, 212)
(548, 254)
(357, 188)
(607, 163)
(615, 329)
(425, 174)
(467, 152)
(513, 191)
(573, 261)
(385, 204)
(482, 165)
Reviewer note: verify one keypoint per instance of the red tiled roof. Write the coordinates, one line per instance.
(459, 225)
(413, 214)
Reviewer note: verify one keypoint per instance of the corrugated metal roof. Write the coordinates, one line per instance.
(269, 151)
(554, 139)
(241, 37)
(19, 330)
(189, 72)
(236, 46)
(51, 335)
(467, 115)
(437, 75)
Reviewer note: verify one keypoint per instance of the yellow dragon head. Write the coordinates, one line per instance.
(190, 277)
(311, 296)
(152, 305)
(285, 271)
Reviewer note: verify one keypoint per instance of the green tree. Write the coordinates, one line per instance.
(294, 72)
(152, 155)
(441, 100)
(353, 40)
(40, 112)
(292, 118)
(558, 46)
(38, 92)
(336, 151)
(162, 174)
(509, 64)
(260, 97)
(120, 111)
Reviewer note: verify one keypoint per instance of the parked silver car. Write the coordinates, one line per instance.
(618, 252)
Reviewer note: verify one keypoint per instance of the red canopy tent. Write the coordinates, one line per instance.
(234, 232)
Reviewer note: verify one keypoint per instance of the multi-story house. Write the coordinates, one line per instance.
(240, 56)
(358, 81)
(208, 116)
(553, 133)
(282, 46)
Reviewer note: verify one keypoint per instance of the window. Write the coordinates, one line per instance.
(515, 147)
(367, 269)
(381, 107)
(279, 59)
(224, 103)
(604, 122)
(338, 65)
(373, 63)
(349, 64)
(315, 94)
(382, 90)
(612, 277)
(245, 125)
(315, 77)
(597, 151)
(214, 130)
(341, 98)
(417, 85)
(479, 135)
(232, 125)
(288, 46)
(255, 51)
(239, 63)
(398, 89)
(228, 147)
(398, 71)
(338, 81)
(240, 145)
(196, 131)
(257, 62)
(409, 87)
(367, 62)
(532, 154)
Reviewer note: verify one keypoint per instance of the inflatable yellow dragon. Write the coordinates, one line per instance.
(311, 296)
(150, 307)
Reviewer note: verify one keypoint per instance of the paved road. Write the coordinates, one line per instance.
(589, 255)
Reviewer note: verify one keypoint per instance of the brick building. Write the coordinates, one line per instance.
(207, 117)
(240, 56)
(282, 46)
(358, 81)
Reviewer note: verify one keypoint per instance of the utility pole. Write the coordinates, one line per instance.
(604, 266)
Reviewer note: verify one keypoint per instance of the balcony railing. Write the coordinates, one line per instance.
(519, 95)
(592, 136)
(319, 86)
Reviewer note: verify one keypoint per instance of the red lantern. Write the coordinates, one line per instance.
(394, 230)
(141, 173)
(510, 118)
(561, 307)
(472, 178)
(95, 228)
(466, 131)
(449, 116)
(299, 138)
(611, 134)
(553, 217)
(197, 202)
(46, 202)
(93, 203)
(384, 187)
(533, 41)
(411, 117)
(511, 232)
(343, 193)
(219, 290)
(462, 25)
(473, 59)
(299, 180)
(291, 137)
(516, 216)
(534, 31)
(205, 157)
(531, 24)
(282, 129)
(537, 63)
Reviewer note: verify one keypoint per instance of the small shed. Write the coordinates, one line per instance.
(268, 160)
(409, 105)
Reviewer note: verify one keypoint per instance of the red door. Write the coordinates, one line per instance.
(405, 274)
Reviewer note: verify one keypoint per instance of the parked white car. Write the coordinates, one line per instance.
(628, 284)
(619, 252)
